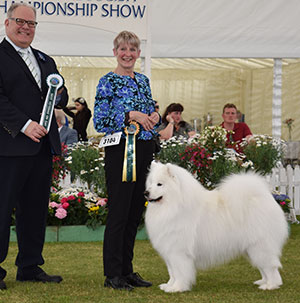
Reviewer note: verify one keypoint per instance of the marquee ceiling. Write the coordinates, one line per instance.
(174, 63)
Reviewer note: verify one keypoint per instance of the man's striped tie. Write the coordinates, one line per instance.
(25, 55)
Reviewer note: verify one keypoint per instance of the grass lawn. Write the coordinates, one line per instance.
(80, 264)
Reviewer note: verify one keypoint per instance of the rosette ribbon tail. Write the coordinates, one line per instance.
(129, 162)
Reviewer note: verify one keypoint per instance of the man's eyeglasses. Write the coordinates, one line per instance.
(156, 106)
(21, 22)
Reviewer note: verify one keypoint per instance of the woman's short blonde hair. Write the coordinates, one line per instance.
(127, 37)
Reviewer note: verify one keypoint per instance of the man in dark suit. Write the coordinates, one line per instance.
(67, 135)
(26, 148)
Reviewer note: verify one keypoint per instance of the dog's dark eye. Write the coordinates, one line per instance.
(159, 184)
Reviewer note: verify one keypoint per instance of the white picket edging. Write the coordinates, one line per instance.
(287, 181)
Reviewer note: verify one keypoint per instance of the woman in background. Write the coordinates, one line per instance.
(81, 118)
(173, 125)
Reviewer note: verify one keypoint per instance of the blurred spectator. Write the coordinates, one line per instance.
(67, 135)
(173, 125)
(236, 130)
(81, 118)
(240, 116)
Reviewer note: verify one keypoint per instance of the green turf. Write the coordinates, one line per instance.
(80, 264)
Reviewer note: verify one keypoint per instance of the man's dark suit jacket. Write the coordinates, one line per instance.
(21, 99)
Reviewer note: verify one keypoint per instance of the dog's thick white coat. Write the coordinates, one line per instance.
(194, 228)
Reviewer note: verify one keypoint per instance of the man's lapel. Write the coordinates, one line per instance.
(10, 50)
(40, 58)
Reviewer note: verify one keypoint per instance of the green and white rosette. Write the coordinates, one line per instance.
(54, 82)
(129, 163)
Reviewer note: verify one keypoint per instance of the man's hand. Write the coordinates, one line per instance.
(35, 131)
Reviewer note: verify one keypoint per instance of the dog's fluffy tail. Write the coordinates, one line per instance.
(259, 206)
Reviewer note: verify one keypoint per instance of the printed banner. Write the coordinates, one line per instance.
(108, 15)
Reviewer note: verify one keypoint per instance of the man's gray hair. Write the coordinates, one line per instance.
(16, 5)
(59, 114)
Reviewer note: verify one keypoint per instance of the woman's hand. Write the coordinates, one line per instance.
(146, 121)
(170, 119)
(155, 117)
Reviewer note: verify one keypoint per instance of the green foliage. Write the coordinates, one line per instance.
(97, 214)
(171, 151)
(60, 167)
(264, 152)
(283, 200)
(76, 207)
(86, 163)
(208, 157)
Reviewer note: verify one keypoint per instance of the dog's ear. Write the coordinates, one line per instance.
(170, 170)
(153, 164)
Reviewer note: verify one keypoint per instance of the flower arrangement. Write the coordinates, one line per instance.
(75, 206)
(289, 124)
(283, 200)
(206, 156)
(60, 167)
(171, 150)
(209, 159)
(86, 162)
(264, 151)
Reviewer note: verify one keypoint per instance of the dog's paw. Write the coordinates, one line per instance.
(176, 288)
(267, 286)
(163, 286)
(259, 282)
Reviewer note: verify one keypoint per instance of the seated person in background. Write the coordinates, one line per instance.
(173, 125)
(67, 135)
(239, 130)
(240, 116)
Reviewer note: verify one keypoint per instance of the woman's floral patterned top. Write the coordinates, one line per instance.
(116, 95)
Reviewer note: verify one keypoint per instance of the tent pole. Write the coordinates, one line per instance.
(277, 98)
(146, 61)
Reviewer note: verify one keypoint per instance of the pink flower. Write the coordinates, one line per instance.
(282, 203)
(102, 202)
(60, 213)
(79, 200)
(53, 205)
(80, 194)
(64, 200)
(71, 198)
(65, 205)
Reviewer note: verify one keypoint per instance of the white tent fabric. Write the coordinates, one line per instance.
(190, 28)
(185, 36)
(222, 28)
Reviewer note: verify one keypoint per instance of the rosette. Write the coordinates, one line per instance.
(129, 163)
(54, 82)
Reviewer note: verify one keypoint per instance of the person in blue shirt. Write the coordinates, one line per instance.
(124, 107)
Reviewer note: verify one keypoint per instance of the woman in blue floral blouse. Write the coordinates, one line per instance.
(124, 107)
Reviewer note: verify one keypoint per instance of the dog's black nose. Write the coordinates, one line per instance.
(146, 193)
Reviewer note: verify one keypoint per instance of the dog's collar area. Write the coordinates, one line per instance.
(155, 200)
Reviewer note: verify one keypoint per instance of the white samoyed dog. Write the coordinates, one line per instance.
(194, 228)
